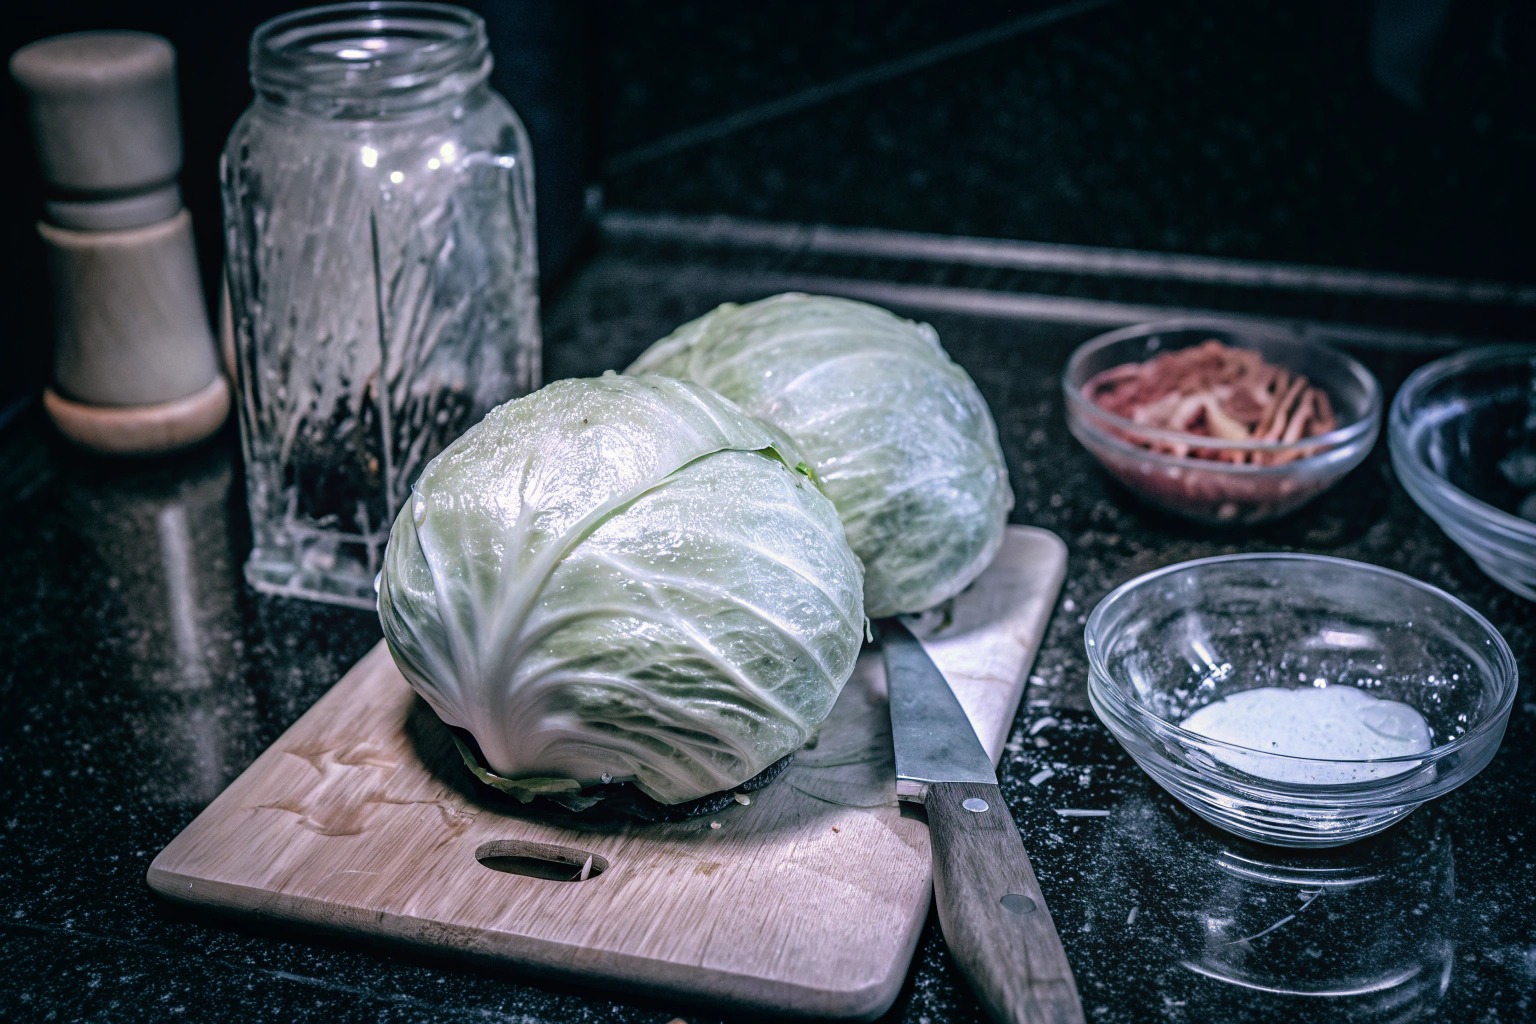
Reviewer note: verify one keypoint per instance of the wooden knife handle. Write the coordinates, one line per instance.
(993, 915)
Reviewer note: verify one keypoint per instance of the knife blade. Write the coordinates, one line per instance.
(991, 910)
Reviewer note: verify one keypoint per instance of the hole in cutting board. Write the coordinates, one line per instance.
(538, 860)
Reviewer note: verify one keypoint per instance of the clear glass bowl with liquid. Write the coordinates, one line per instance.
(1171, 642)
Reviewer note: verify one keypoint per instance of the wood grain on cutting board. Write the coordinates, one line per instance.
(809, 900)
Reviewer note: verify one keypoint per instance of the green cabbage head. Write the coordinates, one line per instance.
(623, 579)
(899, 436)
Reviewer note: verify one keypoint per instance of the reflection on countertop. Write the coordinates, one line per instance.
(1368, 927)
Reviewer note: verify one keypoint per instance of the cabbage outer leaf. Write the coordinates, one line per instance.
(562, 791)
(900, 438)
(623, 577)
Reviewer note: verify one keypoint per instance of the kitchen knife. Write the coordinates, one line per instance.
(990, 907)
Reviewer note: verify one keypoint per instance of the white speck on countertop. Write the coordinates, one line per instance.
(1040, 776)
(1076, 812)
(1044, 723)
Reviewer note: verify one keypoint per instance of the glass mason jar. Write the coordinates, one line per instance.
(379, 224)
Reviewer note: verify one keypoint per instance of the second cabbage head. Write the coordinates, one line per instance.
(626, 579)
(900, 438)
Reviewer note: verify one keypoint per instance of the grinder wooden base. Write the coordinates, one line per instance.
(141, 429)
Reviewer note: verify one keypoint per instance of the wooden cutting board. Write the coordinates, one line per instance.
(362, 819)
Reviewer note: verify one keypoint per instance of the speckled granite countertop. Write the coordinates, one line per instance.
(138, 676)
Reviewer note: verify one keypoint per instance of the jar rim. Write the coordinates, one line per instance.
(404, 54)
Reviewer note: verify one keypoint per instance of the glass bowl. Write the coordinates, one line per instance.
(1463, 438)
(1213, 490)
(1170, 642)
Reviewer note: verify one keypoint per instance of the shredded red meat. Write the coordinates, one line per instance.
(1216, 391)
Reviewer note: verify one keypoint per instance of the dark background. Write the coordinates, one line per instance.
(1236, 129)
(1243, 129)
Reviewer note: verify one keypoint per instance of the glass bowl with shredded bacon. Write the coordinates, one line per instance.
(1221, 422)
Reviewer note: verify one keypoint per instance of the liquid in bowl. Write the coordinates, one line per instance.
(1173, 642)
(1325, 733)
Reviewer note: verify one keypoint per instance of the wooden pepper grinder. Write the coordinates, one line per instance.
(135, 371)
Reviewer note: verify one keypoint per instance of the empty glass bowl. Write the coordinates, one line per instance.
(1173, 641)
(1463, 439)
(1221, 490)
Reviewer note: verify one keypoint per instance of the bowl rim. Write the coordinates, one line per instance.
(1399, 422)
(1498, 718)
(1339, 437)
